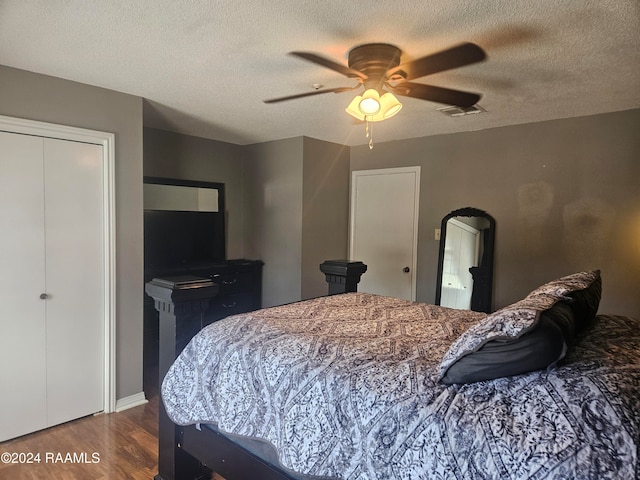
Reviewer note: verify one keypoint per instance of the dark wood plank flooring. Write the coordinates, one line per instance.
(126, 443)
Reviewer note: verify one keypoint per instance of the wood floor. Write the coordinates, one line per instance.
(126, 445)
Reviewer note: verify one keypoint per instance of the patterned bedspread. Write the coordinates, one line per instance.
(346, 387)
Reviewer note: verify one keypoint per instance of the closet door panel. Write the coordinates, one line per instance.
(74, 279)
(22, 321)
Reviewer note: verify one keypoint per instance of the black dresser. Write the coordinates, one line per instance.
(239, 287)
(239, 284)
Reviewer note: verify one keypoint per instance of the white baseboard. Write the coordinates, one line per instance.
(130, 401)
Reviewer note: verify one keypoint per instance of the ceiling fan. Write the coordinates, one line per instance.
(377, 67)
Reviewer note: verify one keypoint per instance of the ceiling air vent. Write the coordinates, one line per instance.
(460, 111)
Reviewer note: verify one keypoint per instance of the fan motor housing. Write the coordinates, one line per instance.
(374, 59)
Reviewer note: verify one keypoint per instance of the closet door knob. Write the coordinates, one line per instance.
(406, 269)
(43, 296)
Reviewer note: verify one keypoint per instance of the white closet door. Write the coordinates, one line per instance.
(22, 318)
(74, 276)
(51, 349)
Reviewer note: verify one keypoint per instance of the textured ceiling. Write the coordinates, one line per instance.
(204, 66)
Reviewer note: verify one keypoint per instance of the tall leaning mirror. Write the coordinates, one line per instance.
(465, 261)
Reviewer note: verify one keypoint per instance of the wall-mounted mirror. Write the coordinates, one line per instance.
(183, 195)
(465, 262)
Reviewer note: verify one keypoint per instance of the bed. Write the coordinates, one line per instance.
(361, 386)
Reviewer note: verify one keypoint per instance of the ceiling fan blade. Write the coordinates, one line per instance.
(325, 62)
(435, 94)
(458, 56)
(308, 94)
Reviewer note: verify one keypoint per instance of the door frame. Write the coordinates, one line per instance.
(107, 141)
(416, 214)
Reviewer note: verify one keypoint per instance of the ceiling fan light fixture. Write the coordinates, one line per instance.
(353, 110)
(370, 103)
(389, 105)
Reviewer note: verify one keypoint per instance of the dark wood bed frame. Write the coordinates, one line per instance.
(189, 453)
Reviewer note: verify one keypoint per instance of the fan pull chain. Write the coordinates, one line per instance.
(369, 133)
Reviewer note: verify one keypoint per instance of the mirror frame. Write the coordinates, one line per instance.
(482, 294)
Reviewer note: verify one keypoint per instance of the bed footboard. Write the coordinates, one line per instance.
(181, 303)
(342, 275)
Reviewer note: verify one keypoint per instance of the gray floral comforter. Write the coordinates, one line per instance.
(346, 387)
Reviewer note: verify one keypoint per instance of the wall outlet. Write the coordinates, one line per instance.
(437, 234)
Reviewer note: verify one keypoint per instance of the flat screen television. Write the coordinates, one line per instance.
(183, 239)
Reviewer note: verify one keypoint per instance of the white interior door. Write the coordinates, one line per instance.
(74, 279)
(22, 321)
(384, 229)
(52, 282)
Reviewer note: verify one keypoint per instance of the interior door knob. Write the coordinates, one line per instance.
(406, 269)
(43, 296)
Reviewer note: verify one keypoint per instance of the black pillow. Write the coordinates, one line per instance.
(531, 334)
(585, 303)
(536, 349)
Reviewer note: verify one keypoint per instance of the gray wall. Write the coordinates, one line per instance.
(325, 215)
(564, 194)
(274, 216)
(38, 97)
(173, 155)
